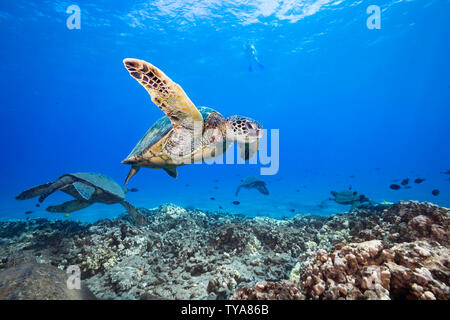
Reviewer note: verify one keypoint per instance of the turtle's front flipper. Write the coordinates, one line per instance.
(354, 206)
(33, 192)
(262, 189)
(172, 171)
(165, 93)
(134, 213)
(248, 150)
(55, 186)
(69, 206)
(133, 171)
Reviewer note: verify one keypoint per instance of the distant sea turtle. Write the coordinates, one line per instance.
(253, 183)
(349, 197)
(187, 133)
(87, 188)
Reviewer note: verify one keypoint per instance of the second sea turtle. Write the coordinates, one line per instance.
(87, 188)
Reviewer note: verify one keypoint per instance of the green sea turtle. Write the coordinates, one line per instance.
(349, 197)
(253, 183)
(187, 133)
(87, 188)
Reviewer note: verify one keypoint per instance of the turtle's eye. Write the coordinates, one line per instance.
(249, 125)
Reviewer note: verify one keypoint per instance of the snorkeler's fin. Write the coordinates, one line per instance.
(172, 171)
(134, 213)
(33, 192)
(69, 206)
(133, 171)
(260, 65)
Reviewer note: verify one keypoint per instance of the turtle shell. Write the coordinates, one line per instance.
(346, 197)
(100, 181)
(159, 130)
(252, 179)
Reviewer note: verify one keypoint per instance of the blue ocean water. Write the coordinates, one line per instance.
(354, 106)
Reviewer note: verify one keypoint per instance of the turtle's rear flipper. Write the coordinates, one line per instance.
(55, 186)
(33, 192)
(69, 206)
(134, 213)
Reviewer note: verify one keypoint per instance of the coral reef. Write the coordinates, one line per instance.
(394, 252)
(411, 261)
(24, 279)
(284, 290)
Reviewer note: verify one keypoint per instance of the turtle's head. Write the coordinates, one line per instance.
(244, 129)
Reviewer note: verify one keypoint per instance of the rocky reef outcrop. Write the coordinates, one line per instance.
(394, 252)
(402, 254)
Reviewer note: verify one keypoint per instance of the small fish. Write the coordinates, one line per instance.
(408, 187)
(419, 180)
(66, 215)
(28, 212)
(133, 190)
(435, 192)
(297, 190)
(292, 210)
(236, 202)
(187, 184)
(404, 182)
(38, 205)
(446, 172)
(220, 207)
(217, 180)
(352, 177)
(212, 198)
(395, 187)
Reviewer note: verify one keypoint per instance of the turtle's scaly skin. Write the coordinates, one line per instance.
(152, 150)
